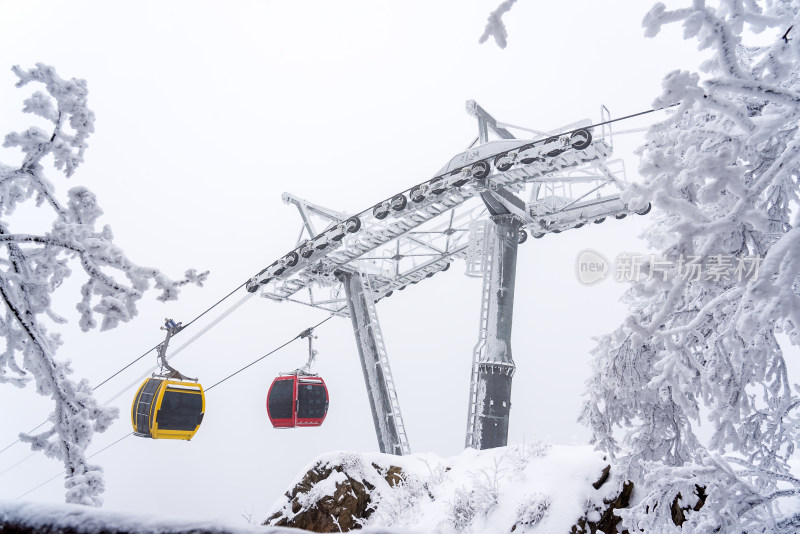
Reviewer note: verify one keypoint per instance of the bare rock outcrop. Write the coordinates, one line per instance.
(602, 517)
(334, 498)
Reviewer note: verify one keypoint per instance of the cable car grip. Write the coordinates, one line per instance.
(312, 354)
(168, 371)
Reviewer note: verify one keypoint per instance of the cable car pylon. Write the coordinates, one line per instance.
(358, 259)
(493, 366)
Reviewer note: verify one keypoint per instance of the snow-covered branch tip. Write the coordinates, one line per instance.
(495, 26)
(71, 106)
(33, 266)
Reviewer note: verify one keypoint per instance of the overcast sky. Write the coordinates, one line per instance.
(208, 111)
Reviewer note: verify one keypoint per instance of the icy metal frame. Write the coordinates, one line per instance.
(412, 245)
(381, 391)
(545, 184)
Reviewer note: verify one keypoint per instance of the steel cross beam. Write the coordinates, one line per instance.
(393, 247)
(486, 121)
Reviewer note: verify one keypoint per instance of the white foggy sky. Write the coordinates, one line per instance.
(208, 111)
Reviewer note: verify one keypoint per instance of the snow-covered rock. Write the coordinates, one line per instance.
(524, 488)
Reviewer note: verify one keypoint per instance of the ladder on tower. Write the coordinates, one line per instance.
(396, 417)
(488, 238)
(477, 249)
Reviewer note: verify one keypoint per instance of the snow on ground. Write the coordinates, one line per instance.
(77, 519)
(537, 487)
(533, 487)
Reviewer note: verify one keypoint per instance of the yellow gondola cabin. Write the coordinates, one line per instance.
(168, 409)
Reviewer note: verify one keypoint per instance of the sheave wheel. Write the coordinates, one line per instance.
(528, 159)
(461, 181)
(502, 167)
(480, 170)
(398, 202)
(580, 139)
(380, 212)
(556, 151)
(439, 188)
(353, 225)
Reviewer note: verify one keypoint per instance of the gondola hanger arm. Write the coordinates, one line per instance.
(312, 354)
(172, 328)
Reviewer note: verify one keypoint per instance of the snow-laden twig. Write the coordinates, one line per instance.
(32, 267)
(495, 26)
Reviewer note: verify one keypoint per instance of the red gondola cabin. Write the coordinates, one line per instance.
(297, 400)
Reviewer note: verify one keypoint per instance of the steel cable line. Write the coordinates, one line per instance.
(62, 472)
(187, 325)
(267, 354)
(626, 117)
(543, 141)
(220, 301)
(191, 340)
(273, 351)
(12, 466)
(17, 441)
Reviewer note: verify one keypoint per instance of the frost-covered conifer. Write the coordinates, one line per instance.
(723, 171)
(32, 266)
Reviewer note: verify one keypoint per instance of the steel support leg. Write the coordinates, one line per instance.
(377, 376)
(496, 366)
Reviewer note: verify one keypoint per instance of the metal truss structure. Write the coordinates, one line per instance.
(545, 184)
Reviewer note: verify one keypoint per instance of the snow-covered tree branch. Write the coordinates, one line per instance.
(723, 168)
(33, 266)
(495, 26)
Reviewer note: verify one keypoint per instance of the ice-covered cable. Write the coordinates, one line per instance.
(17, 441)
(220, 301)
(63, 472)
(179, 349)
(267, 354)
(12, 466)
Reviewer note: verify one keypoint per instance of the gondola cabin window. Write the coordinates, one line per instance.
(280, 402)
(312, 400)
(181, 409)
